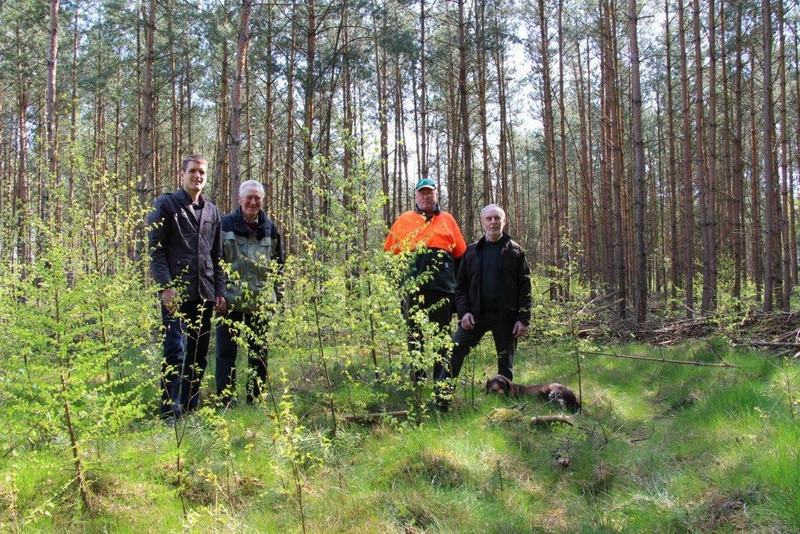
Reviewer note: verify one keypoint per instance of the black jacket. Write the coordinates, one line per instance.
(515, 279)
(184, 252)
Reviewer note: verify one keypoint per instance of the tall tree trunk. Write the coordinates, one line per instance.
(589, 225)
(145, 183)
(50, 112)
(308, 113)
(757, 235)
(423, 87)
(784, 159)
(676, 267)
(466, 142)
(640, 297)
(688, 188)
(771, 193)
(381, 65)
(481, 66)
(710, 220)
(235, 134)
(563, 171)
(553, 184)
(288, 169)
(737, 177)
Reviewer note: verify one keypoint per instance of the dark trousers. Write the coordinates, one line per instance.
(230, 336)
(438, 308)
(186, 338)
(464, 340)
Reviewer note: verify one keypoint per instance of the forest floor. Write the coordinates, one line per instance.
(657, 446)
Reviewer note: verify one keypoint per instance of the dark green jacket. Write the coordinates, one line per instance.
(256, 256)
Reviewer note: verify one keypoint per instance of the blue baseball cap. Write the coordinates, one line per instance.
(425, 183)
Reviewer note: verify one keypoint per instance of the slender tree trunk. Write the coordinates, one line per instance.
(466, 142)
(288, 169)
(308, 113)
(738, 165)
(771, 193)
(553, 184)
(50, 112)
(381, 75)
(676, 267)
(564, 187)
(235, 134)
(146, 151)
(423, 87)
(757, 235)
(688, 187)
(710, 223)
(784, 159)
(640, 297)
(589, 226)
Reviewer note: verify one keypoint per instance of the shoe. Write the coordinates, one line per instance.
(438, 405)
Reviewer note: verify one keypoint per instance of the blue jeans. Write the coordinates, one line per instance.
(186, 338)
(253, 338)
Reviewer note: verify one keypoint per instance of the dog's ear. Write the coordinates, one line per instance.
(489, 381)
(506, 384)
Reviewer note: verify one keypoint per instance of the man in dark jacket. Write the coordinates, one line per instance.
(493, 293)
(185, 251)
(252, 247)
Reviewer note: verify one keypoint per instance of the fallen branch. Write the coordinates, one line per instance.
(662, 360)
(550, 419)
(373, 417)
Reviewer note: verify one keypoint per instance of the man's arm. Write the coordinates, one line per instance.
(462, 291)
(524, 284)
(216, 259)
(279, 257)
(157, 222)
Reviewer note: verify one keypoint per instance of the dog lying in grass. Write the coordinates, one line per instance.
(553, 392)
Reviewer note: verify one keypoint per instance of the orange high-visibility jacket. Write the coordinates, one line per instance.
(441, 233)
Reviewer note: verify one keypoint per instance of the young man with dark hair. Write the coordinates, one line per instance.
(185, 250)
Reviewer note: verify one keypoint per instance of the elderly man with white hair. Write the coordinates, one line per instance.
(251, 246)
(493, 294)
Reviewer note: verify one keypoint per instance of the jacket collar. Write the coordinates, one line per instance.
(187, 200)
(436, 211)
(504, 239)
(240, 226)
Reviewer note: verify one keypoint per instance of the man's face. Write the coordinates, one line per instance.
(426, 199)
(250, 201)
(193, 179)
(493, 222)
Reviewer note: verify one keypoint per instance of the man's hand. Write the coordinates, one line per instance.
(168, 299)
(467, 321)
(220, 305)
(519, 330)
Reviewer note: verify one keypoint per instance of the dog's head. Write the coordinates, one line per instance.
(498, 384)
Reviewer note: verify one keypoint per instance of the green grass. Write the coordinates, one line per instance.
(658, 448)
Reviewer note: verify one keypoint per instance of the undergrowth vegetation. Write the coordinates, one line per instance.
(343, 441)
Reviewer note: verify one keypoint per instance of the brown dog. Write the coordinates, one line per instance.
(552, 393)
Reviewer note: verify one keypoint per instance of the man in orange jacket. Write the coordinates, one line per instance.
(433, 235)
